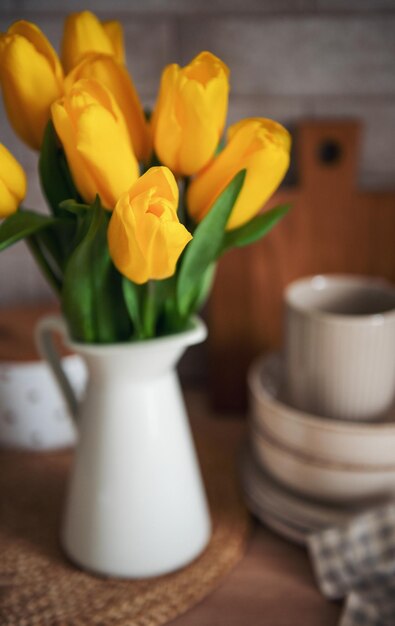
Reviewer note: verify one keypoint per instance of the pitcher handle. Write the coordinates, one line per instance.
(44, 332)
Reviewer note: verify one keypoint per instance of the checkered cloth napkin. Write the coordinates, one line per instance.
(357, 562)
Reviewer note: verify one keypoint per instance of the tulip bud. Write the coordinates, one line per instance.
(260, 146)
(31, 78)
(190, 113)
(84, 32)
(12, 183)
(96, 141)
(114, 32)
(145, 236)
(116, 78)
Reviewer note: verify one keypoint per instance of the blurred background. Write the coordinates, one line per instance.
(323, 68)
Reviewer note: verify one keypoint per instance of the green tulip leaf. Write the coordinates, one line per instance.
(23, 224)
(92, 299)
(57, 185)
(167, 318)
(255, 229)
(132, 294)
(72, 206)
(55, 177)
(37, 245)
(146, 304)
(81, 223)
(203, 288)
(206, 245)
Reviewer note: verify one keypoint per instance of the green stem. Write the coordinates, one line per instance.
(149, 310)
(43, 264)
(183, 214)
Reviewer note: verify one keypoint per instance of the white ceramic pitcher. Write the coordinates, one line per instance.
(136, 504)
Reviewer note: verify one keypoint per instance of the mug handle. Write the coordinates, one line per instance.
(44, 332)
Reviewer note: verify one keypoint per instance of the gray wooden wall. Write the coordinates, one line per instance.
(289, 59)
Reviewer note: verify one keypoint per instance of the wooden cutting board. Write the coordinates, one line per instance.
(333, 227)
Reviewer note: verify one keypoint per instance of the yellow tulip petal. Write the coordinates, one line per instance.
(96, 141)
(32, 33)
(166, 127)
(114, 32)
(64, 127)
(217, 103)
(12, 172)
(273, 131)
(8, 202)
(123, 246)
(260, 146)
(94, 125)
(206, 66)
(172, 240)
(190, 113)
(197, 109)
(12, 183)
(146, 223)
(128, 245)
(116, 78)
(264, 174)
(161, 181)
(83, 32)
(144, 235)
(31, 79)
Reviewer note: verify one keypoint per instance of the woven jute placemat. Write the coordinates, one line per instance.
(39, 587)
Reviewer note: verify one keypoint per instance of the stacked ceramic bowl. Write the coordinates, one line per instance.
(304, 470)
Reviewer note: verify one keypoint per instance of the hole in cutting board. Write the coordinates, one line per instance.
(329, 152)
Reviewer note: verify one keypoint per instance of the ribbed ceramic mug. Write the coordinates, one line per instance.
(340, 346)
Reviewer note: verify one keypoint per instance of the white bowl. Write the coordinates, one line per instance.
(309, 477)
(363, 444)
(33, 415)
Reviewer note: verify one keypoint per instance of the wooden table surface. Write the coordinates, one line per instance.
(273, 585)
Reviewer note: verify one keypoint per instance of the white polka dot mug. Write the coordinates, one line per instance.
(33, 414)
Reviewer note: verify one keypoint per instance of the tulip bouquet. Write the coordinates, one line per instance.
(141, 205)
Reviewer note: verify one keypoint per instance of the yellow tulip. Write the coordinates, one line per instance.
(260, 146)
(145, 236)
(31, 77)
(190, 113)
(84, 32)
(12, 183)
(114, 32)
(96, 141)
(116, 78)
